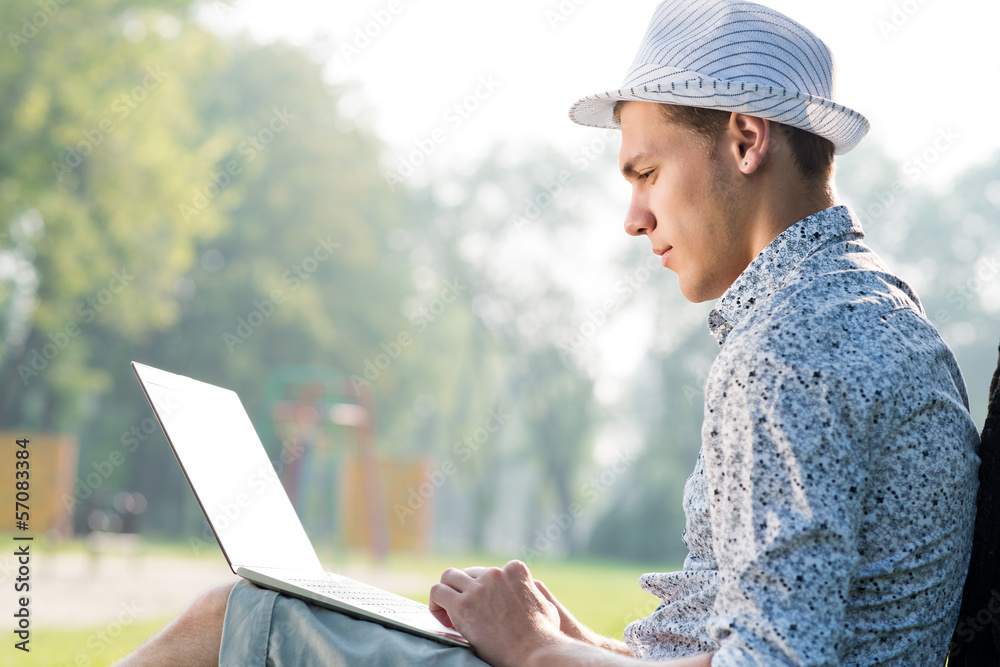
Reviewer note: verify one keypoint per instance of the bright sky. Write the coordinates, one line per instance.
(914, 67)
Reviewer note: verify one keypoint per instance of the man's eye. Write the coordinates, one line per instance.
(645, 175)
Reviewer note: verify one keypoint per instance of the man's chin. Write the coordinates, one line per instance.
(697, 292)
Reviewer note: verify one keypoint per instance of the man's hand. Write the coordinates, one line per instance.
(568, 624)
(504, 613)
(511, 619)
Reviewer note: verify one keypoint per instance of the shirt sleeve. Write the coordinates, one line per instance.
(784, 474)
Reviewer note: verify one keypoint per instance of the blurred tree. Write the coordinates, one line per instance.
(558, 406)
(187, 201)
(98, 141)
(300, 273)
(499, 228)
(645, 520)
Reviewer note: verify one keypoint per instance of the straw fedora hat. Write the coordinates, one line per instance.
(733, 56)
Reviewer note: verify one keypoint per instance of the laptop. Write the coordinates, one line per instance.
(250, 513)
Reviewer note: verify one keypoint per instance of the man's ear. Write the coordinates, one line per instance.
(749, 141)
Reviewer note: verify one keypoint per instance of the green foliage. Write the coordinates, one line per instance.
(646, 519)
(298, 274)
(91, 166)
(480, 236)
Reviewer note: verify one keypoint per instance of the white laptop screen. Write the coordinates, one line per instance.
(229, 471)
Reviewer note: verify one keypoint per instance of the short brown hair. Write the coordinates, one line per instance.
(813, 155)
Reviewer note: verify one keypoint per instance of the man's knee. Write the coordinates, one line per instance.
(210, 605)
(193, 638)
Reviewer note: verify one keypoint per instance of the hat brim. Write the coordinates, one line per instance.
(844, 127)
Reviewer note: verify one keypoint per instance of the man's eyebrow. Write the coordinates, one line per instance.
(628, 171)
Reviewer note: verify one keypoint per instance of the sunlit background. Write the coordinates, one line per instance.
(375, 222)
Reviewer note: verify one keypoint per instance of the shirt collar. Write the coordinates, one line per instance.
(775, 266)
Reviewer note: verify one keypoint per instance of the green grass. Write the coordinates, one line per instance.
(605, 596)
(90, 647)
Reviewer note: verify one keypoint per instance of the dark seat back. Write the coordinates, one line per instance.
(976, 641)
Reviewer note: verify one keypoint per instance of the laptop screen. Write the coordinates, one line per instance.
(228, 469)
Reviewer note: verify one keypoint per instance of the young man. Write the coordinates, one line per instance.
(830, 512)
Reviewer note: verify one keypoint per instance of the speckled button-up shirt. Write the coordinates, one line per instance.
(830, 512)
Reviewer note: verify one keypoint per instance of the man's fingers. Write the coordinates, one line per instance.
(454, 573)
(474, 572)
(550, 597)
(441, 597)
(442, 616)
(444, 595)
(456, 578)
(518, 570)
(546, 592)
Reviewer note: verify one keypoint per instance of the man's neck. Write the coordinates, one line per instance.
(780, 208)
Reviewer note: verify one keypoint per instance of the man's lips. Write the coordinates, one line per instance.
(663, 253)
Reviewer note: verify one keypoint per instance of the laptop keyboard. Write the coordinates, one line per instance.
(361, 595)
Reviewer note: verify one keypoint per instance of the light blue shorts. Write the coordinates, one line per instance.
(265, 628)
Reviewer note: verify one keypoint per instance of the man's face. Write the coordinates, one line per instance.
(684, 200)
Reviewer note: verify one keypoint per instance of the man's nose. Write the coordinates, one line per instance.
(639, 219)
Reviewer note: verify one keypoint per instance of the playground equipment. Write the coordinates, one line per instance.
(329, 464)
